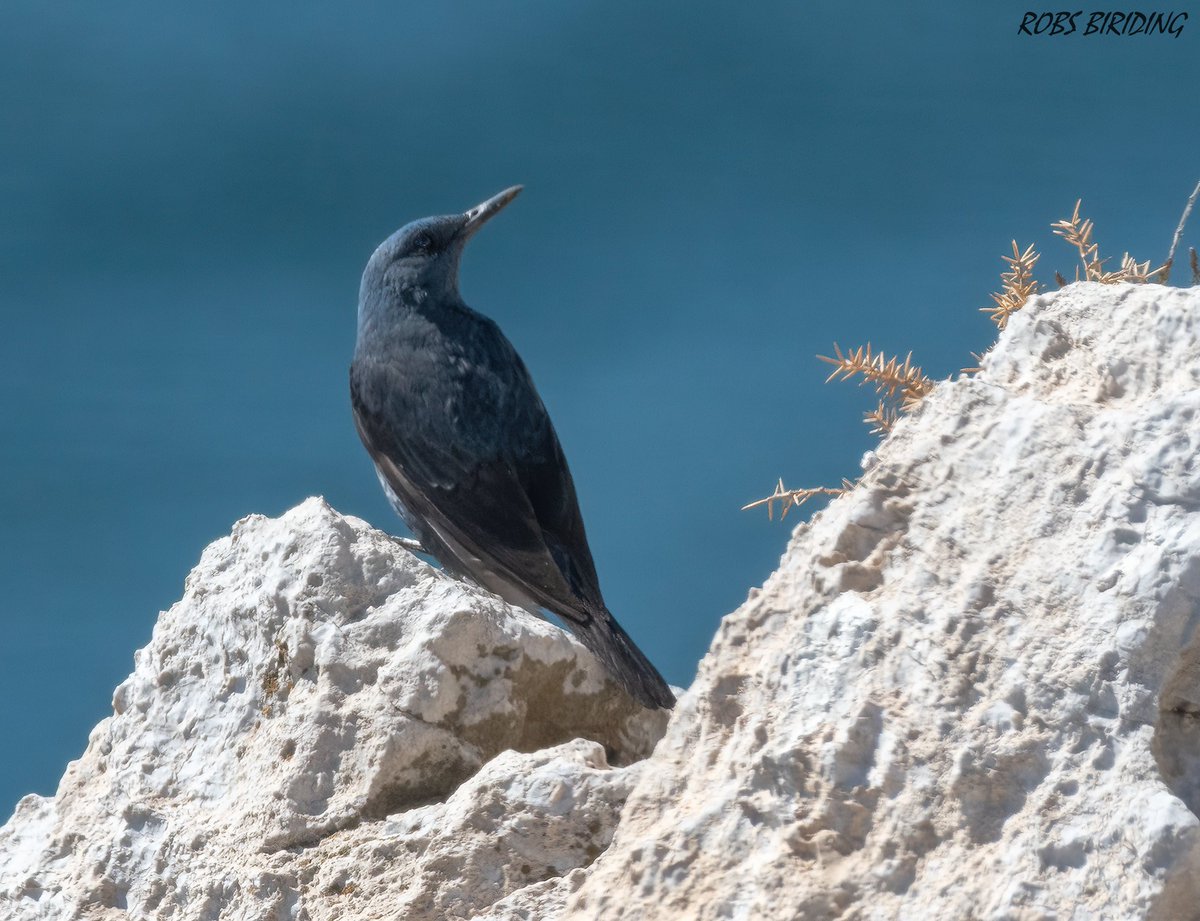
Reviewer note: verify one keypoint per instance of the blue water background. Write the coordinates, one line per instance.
(714, 193)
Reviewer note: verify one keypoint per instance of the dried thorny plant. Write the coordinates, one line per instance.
(794, 498)
(1015, 285)
(891, 377)
(902, 385)
(978, 366)
(1139, 272)
(1078, 232)
(882, 418)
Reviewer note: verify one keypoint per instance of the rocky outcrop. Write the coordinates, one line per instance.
(971, 690)
(326, 727)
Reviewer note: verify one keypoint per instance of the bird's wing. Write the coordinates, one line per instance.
(472, 453)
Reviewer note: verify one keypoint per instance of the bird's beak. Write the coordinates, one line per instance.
(485, 211)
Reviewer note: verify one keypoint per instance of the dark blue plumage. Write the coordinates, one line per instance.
(464, 447)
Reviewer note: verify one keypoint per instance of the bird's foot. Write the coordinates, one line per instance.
(412, 546)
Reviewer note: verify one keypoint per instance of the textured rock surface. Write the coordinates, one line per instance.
(971, 690)
(314, 680)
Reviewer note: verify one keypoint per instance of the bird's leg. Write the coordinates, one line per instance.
(412, 546)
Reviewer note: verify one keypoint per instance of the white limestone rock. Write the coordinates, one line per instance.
(971, 689)
(314, 680)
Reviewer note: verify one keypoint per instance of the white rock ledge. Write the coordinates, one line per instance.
(971, 690)
(327, 727)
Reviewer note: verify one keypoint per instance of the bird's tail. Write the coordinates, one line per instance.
(603, 636)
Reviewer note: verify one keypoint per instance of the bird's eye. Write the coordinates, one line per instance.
(423, 243)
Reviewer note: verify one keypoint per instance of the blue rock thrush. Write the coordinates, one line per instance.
(464, 447)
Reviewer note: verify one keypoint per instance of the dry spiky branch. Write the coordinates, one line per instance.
(889, 375)
(882, 418)
(1138, 272)
(1015, 285)
(906, 384)
(794, 498)
(1078, 232)
(897, 381)
(978, 356)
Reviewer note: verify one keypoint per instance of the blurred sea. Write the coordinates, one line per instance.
(713, 195)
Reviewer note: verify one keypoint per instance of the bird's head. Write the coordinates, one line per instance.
(420, 260)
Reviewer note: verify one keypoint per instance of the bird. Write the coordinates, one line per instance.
(464, 447)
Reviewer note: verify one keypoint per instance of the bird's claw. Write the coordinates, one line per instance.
(412, 546)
